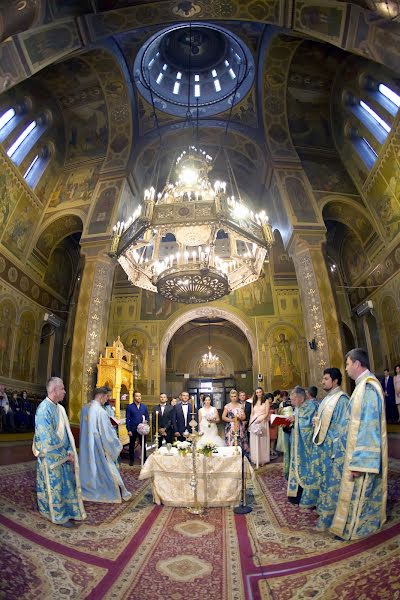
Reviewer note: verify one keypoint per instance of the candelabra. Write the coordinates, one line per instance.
(193, 437)
(236, 435)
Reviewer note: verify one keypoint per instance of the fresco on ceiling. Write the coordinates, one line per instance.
(353, 259)
(24, 347)
(155, 307)
(391, 323)
(11, 68)
(299, 200)
(349, 215)
(10, 191)
(21, 226)
(326, 22)
(88, 131)
(44, 46)
(284, 358)
(377, 42)
(56, 231)
(127, 203)
(308, 95)
(384, 195)
(328, 175)
(104, 207)
(283, 265)
(76, 186)
(254, 299)
(7, 322)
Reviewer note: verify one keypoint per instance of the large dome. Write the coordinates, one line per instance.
(197, 66)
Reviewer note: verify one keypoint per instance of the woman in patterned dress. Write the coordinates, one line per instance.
(234, 416)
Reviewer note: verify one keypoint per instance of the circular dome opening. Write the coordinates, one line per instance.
(198, 67)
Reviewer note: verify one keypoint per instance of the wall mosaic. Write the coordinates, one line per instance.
(26, 333)
(284, 357)
(18, 234)
(107, 195)
(76, 186)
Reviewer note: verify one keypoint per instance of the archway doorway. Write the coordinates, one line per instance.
(237, 327)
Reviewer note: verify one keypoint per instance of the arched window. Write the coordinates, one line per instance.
(6, 117)
(37, 167)
(21, 138)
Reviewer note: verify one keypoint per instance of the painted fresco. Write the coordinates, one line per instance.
(299, 200)
(254, 299)
(136, 343)
(104, 208)
(88, 131)
(76, 186)
(56, 231)
(21, 225)
(284, 359)
(391, 322)
(9, 193)
(61, 268)
(7, 321)
(24, 346)
(353, 258)
(328, 175)
(326, 22)
(42, 47)
(11, 67)
(155, 307)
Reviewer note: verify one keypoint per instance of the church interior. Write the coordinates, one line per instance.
(292, 109)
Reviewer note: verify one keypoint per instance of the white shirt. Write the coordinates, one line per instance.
(162, 407)
(185, 408)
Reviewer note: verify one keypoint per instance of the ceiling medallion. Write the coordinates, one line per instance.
(192, 243)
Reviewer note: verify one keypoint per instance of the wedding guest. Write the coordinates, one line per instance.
(259, 429)
(247, 404)
(387, 383)
(7, 414)
(135, 414)
(19, 416)
(28, 408)
(165, 427)
(173, 402)
(234, 416)
(396, 381)
(311, 394)
(283, 444)
(273, 429)
(182, 415)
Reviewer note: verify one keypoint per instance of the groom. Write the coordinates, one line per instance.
(182, 416)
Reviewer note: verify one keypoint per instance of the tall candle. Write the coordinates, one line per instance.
(192, 405)
(156, 421)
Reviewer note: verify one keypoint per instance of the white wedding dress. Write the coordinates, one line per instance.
(209, 429)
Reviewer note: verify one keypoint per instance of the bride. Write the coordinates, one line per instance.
(208, 419)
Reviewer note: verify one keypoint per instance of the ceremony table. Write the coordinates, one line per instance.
(218, 476)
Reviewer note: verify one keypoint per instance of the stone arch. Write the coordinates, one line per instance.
(54, 231)
(348, 212)
(195, 313)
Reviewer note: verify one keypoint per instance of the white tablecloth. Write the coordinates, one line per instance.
(218, 476)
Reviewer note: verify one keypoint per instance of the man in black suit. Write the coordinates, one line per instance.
(165, 429)
(387, 384)
(247, 406)
(182, 416)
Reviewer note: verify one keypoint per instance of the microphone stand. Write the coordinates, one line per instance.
(242, 509)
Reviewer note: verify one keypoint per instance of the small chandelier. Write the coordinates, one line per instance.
(192, 242)
(209, 360)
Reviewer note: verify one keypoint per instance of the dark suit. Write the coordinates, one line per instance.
(164, 422)
(178, 420)
(390, 398)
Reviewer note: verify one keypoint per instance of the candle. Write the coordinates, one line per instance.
(156, 421)
(192, 405)
(236, 427)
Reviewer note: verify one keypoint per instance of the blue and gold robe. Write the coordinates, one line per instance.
(330, 434)
(99, 449)
(57, 480)
(361, 505)
(301, 469)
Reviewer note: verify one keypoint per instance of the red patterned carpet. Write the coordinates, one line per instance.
(139, 551)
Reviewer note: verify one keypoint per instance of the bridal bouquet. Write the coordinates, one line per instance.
(143, 428)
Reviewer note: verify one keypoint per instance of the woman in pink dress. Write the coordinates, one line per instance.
(396, 381)
(259, 429)
(234, 417)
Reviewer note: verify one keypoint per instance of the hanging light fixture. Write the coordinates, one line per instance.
(192, 242)
(209, 361)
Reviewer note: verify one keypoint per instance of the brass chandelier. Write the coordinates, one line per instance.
(192, 242)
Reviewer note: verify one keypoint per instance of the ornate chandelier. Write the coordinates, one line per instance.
(192, 242)
(209, 359)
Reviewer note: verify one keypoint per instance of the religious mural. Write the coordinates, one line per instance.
(300, 201)
(24, 347)
(43, 46)
(254, 299)
(284, 359)
(19, 231)
(76, 186)
(136, 343)
(9, 193)
(155, 307)
(326, 21)
(353, 258)
(391, 322)
(328, 175)
(7, 322)
(104, 208)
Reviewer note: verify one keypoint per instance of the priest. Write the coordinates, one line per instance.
(57, 470)
(361, 505)
(330, 436)
(302, 488)
(99, 449)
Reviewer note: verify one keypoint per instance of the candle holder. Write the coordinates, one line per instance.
(197, 508)
(235, 440)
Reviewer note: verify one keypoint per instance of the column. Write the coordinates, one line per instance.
(319, 310)
(90, 327)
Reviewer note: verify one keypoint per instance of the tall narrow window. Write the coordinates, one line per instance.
(21, 138)
(30, 168)
(375, 116)
(6, 117)
(389, 94)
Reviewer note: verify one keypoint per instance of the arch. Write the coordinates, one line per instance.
(209, 312)
(55, 231)
(347, 211)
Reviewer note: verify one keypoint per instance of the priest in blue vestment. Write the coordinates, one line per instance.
(361, 505)
(99, 449)
(302, 488)
(330, 436)
(57, 472)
